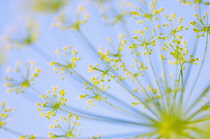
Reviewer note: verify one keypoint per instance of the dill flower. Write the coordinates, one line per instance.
(104, 73)
(4, 114)
(47, 6)
(143, 40)
(116, 53)
(95, 94)
(171, 29)
(201, 26)
(148, 12)
(25, 137)
(100, 2)
(96, 137)
(158, 105)
(52, 102)
(191, 2)
(66, 21)
(24, 77)
(66, 127)
(68, 55)
(23, 35)
(179, 53)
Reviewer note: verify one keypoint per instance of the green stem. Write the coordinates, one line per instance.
(107, 119)
(202, 63)
(119, 108)
(153, 70)
(194, 50)
(114, 98)
(135, 97)
(90, 45)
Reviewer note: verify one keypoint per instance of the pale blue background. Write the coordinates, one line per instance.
(25, 118)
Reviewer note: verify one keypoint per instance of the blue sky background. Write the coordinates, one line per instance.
(25, 119)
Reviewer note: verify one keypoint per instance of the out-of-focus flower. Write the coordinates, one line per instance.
(179, 53)
(191, 2)
(25, 137)
(4, 114)
(95, 94)
(69, 59)
(66, 20)
(147, 12)
(24, 77)
(2, 55)
(23, 35)
(66, 127)
(47, 6)
(114, 13)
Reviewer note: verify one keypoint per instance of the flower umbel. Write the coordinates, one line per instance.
(201, 26)
(23, 35)
(69, 59)
(24, 77)
(25, 137)
(4, 114)
(53, 101)
(66, 127)
(65, 21)
(47, 6)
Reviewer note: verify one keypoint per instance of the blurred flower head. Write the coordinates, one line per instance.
(66, 127)
(2, 55)
(23, 78)
(4, 114)
(47, 6)
(22, 35)
(191, 2)
(72, 20)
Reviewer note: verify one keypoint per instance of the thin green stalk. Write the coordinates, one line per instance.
(153, 70)
(162, 63)
(112, 105)
(202, 63)
(143, 89)
(90, 45)
(134, 96)
(188, 72)
(42, 53)
(198, 98)
(131, 108)
(107, 119)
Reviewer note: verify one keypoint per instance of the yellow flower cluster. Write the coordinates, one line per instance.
(52, 102)
(171, 29)
(96, 94)
(28, 31)
(4, 114)
(24, 77)
(149, 13)
(178, 52)
(69, 59)
(25, 137)
(66, 21)
(47, 6)
(143, 40)
(191, 2)
(201, 26)
(68, 130)
(117, 54)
